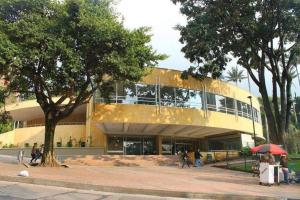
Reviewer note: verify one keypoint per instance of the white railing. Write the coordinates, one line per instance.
(60, 123)
(174, 102)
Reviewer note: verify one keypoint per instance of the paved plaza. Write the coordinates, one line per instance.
(156, 180)
(22, 191)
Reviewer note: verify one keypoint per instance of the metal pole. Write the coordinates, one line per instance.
(295, 112)
(254, 134)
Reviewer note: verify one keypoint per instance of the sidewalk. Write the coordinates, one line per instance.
(207, 181)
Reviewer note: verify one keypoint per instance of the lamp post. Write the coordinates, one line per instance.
(254, 134)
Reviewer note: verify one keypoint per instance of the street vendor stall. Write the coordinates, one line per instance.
(268, 170)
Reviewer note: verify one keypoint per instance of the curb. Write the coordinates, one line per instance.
(117, 189)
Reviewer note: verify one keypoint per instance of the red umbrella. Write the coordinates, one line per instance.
(272, 148)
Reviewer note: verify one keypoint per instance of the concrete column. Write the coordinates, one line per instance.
(89, 110)
(205, 144)
(159, 144)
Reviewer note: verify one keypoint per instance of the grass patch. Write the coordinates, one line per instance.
(294, 165)
(241, 167)
(294, 155)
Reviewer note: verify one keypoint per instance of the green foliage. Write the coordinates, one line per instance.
(10, 146)
(261, 35)
(235, 75)
(241, 167)
(58, 144)
(68, 49)
(246, 150)
(5, 122)
(5, 126)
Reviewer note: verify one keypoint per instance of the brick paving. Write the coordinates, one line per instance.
(206, 179)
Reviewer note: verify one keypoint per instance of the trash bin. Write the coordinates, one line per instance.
(209, 157)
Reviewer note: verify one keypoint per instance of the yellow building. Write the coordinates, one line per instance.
(162, 114)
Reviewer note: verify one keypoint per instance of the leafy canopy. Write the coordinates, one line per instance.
(262, 35)
(68, 49)
(248, 30)
(235, 75)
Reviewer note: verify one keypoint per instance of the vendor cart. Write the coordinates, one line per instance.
(268, 174)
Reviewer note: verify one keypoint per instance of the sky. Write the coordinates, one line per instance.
(162, 16)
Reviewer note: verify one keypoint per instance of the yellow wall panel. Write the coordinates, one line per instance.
(7, 138)
(118, 113)
(33, 135)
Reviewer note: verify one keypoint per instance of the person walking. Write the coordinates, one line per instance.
(39, 153)
(198, 156)
(33, 152)
(185, 159)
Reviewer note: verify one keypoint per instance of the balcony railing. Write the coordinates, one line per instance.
(58, 124)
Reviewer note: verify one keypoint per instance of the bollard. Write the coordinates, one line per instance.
(20, 156)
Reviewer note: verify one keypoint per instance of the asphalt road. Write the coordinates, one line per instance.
(21, 191)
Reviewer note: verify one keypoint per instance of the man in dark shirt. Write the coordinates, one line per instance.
(197, 158)
(285, 169)
(185, 159)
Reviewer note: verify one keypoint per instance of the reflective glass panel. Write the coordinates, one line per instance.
(221, 103)
(127, 93)
(211, 101)
(245, 109)
(115, 144)
(149, 146)
(239, 107)
(230, 105)
(249, 111)
(133, 145)
(195, 99)
(146, 94)
(167, 96)
(182, 97)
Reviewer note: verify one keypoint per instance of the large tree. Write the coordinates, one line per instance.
(68, 49)
(263, 35)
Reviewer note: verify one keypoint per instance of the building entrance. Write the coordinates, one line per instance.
(131, 145)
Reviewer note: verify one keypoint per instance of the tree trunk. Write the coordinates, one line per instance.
(48, 158)
(270, 117)
(267, 106)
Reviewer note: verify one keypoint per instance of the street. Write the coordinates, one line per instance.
(21, 191)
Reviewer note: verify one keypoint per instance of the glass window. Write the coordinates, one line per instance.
(211, 101)
(146, 94)
(167, 96)
(221, 103)
(196, 99)
(167, 146)
(239, 108)
(230, 105)
(115, 145)
(149, 147)
(182, 97)
(127, 93)
(256, 114)
(133, 145)
(249, 111)
(245, 109)
(110, 95)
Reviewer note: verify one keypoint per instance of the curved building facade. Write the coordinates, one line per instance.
(162, 114)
